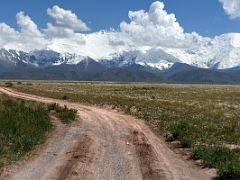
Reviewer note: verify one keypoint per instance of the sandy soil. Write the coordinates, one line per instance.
(102, 144)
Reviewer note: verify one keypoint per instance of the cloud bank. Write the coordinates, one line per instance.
(154, 28)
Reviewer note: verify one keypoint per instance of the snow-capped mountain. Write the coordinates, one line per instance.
(208, 61)
(227, 51)
(155, 58)
(39, 58)
(222, 52)
(13, 56)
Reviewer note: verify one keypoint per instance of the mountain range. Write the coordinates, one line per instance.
(208, 63)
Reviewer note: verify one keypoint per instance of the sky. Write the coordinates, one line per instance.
(206, 17)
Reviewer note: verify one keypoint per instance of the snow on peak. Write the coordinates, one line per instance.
(221, 52)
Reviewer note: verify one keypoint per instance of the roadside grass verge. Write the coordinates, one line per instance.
(225, 160)
(23, 125)
(195, 115)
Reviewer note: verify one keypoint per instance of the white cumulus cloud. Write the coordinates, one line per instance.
(7, 35)
(154, 28)
(29, 35)
(232, 7)
(28, 27)
(28, 38)
(64, 22)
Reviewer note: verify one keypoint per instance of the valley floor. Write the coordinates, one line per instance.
(102, 144)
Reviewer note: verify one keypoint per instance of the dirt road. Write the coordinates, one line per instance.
(103, 144)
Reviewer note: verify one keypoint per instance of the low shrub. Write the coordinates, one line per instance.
(179, 129)
(230, 170)
(64, 97)
(9, 84)
(170, 138)
(65, 114)
(185, 142)
(51, 107)
(225, 160)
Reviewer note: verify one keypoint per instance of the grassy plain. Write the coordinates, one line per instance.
(204, 118)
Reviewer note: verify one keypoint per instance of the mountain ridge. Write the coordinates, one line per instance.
(154, 65)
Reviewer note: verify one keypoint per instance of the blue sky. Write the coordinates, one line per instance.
(206, 17)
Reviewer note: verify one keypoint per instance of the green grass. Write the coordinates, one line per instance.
(23, 125)
(8, 84)
(194, 114)
(66, 115)
(226, 161)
